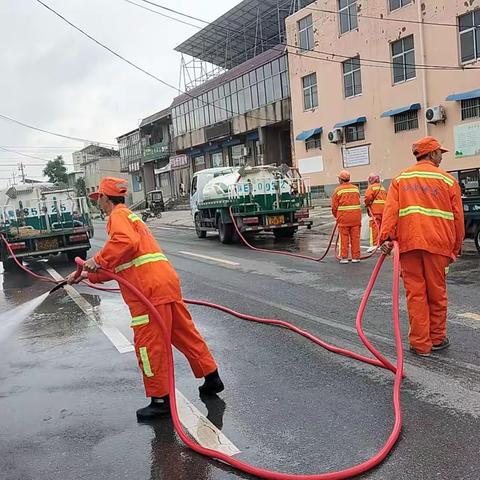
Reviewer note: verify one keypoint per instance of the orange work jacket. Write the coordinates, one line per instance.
(133, 253)
(375, 198)
(346, 206)
(424, 211)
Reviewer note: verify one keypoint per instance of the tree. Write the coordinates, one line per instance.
(81, 187)
(56, 171)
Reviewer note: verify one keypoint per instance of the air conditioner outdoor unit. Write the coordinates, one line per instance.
(335, 136)
(435, 114)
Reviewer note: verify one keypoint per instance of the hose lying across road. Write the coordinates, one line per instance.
(378, 360)
(298, 255)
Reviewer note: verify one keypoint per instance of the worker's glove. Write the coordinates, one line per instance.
(90, 266)
(73, 278)
(386, 247)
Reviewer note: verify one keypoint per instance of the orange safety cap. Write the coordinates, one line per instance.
(111, 186)
(344, 175)
(426, 145)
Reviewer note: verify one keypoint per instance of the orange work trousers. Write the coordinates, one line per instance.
(151, 351)
(424, 276)
(375, 224)
(350, 236)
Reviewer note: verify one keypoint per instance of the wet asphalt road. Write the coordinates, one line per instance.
(68, 397)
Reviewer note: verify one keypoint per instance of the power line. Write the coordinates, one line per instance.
(332, 54)
(162, 14)
(151, 75)
(13, 120)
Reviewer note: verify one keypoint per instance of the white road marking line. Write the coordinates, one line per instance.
(118, 339)
(201, 429)
(471, 315)
(156, 227)
(213, 259)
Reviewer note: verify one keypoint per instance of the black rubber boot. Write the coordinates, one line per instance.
(213, 384)
(158, 408)
(442, 346)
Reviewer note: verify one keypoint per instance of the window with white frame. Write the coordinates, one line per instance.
(310, 92)
(396, 4)
(469, 27)
(313, 142)
(354, 133)
(471, 108)
(305, 33)
(403, 57)
(348, 15)
(405, 121)
(352, 77)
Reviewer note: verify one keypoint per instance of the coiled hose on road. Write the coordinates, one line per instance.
(379, 360)
(298, 255)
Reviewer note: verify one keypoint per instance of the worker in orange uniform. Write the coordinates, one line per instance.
(133, 253)
(347, 210)
(424, 214)
(375, 197)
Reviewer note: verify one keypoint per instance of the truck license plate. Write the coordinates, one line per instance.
(47, 244)
(276, 220)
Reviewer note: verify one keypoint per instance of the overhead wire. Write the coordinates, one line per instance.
(333, 54)
(141, 69)
(78, 139)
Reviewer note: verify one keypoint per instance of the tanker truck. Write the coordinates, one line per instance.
(260, 199)
(39, 220)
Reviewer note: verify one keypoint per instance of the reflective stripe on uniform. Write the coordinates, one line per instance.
(447, 270)
(147, 369)
(349, 207)
(379, 202)
(377, 188)
(348, 190)
(434, 175)
(134, 218)
(429, 212)
(140, 320)
(142, 260)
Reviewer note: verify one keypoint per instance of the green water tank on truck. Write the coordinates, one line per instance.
(263, 198)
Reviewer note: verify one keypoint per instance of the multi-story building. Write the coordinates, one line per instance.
(369, 78)
(242, 115)
(155, 134)
(97, 162)
(130, 148)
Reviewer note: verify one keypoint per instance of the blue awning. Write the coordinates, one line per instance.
(252, 135)
(212, 148)
(456, 97)
(397, 111)
(351, 122)
(231, 143)
(309, 133)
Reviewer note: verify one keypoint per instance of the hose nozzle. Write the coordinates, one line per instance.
(57, 287)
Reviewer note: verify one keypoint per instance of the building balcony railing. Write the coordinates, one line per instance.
(156, 152)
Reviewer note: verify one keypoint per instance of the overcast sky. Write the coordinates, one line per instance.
(54, 78)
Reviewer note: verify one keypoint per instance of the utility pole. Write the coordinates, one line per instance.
(21, 168)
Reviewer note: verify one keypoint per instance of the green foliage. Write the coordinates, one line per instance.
(81, 187)
(56, 172)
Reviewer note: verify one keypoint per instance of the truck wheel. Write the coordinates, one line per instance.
(76, 253)
(288, 232)
(198, 229)
(9, 265)
(225, 231)
(477, 239)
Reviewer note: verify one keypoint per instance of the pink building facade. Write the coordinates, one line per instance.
(363, 88)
